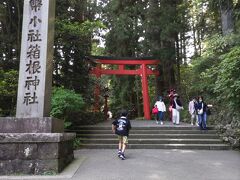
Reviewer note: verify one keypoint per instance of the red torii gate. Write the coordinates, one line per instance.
(143, 71)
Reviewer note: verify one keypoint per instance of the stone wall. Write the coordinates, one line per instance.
(228, 126)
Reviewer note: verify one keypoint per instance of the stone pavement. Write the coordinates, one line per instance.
(159, 164)
(142, 164)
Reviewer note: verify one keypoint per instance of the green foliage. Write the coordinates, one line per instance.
(75, 30)
(187, 76)
(97, 50)
(70, 106)
(206, 69)
(65, 102)
(227, 85)
(142, 28)
(76, 143)
(8, 83)
(67, 124)
(10, 33)
(218, 44)
(122, 19)
(125, 93)
(87, 28)
(8, 92)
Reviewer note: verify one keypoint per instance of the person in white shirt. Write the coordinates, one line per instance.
(109, 113)
(161, 110)
(176, 108)
(192, 111)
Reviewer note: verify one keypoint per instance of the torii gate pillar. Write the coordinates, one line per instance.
(146, 102)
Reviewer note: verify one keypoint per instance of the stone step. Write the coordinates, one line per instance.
(157, 127)
(152, 141)
(152, 136)
(146, 131)
(160, 146)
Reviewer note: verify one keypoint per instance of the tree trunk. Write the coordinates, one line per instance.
(194, 40)
(199, 42)
(160, 82)
(19, 28)
(226, 9)
(184, 55)
(178, 57)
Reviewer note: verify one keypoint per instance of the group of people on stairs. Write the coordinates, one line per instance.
(199, 111)
(174, 109)
(197, 108)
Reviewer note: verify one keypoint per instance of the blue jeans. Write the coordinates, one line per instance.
(160, 115)
(202, 120)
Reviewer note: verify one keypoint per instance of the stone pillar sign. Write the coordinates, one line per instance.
(35, 75)
(32, 142)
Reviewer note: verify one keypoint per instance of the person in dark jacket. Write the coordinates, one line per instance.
(202, 108)
(121, 128)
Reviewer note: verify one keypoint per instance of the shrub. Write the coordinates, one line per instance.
(227, 85)
(76, 143)
(8, 92)
(65, 102)
(70, 107)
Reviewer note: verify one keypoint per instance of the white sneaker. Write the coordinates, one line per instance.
(192, 124)
(119, 153)
(157, 122)
(161, 123)
(122, 156)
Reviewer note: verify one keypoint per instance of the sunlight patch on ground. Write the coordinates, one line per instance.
(187, 151)
(217, 164)
(183, 151)
(154, 176)
(167, 152)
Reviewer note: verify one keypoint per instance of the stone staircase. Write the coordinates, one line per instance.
(151, 137)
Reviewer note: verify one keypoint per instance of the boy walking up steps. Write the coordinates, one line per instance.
(121, 128)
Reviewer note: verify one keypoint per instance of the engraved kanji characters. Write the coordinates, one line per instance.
(35, 20)
(32, 82)
(35, 5)
(33, 67)
(34, 52)
(34, 36)
(28, 99)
